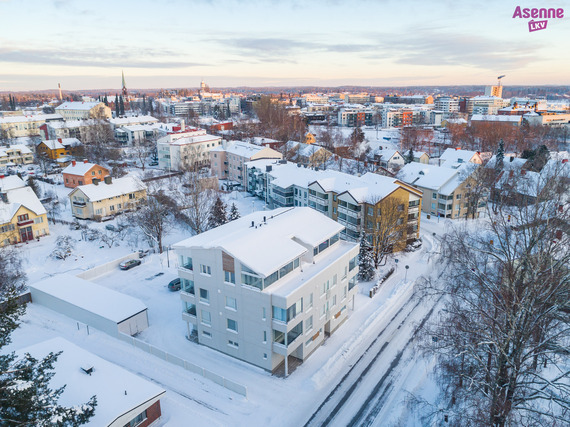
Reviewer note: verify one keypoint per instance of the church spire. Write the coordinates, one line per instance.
(124, 85)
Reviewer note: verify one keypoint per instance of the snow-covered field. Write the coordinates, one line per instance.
(269, 399)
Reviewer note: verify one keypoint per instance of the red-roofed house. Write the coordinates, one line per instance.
(82, 173)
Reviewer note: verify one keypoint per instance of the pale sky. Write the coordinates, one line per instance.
(176, 43)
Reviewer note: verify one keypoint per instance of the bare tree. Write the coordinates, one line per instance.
(154, 219)
(386, 229)
(503, 340)
(195, 197)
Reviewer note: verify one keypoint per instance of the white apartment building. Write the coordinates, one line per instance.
(179, 150)
(83, 110)
(447, 104)
(268, 286)
(227, 161)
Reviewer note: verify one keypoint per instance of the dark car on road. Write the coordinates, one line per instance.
(174, 285)
(125, 265)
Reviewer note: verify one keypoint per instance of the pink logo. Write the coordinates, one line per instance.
(541, 13)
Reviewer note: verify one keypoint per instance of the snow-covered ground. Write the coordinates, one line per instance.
(270, 399)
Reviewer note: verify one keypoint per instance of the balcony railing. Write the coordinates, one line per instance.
(79, 204)
(25, 222)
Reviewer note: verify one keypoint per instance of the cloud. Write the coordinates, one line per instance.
(93, 58)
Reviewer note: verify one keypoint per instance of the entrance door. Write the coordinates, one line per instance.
(26, 234)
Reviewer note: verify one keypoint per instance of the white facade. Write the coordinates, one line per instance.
(179, 150)
(267, 285)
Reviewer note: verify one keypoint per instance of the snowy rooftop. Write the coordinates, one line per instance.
(118, 391)
(24, 149)
(80, 168)
(17, 197)
(126, 121)
(77, 105)
(258, 140)
(270, 245)
(91, 297)
(10, 182)
(188, 139)
(56, 144)
(441, 179)
(495, 118)
(387, 154)
(417, 154)
(451, 156)
(32, 118)
(118, 187)
(369, 186)
(509, 162)
(240, 148)
(74, 123)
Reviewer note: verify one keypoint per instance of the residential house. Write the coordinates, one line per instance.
(184, 149)
(17, 154)
(419, 156)
(78, 110)
(452, 157)
(307, 154)
(389, 158)
(58, 148)
(119, 122)
(83, 173)
(228, 160)
(123, 398)
(84, 130)
(269, 286)
(446, 190)
(22, 216)
(107, 198)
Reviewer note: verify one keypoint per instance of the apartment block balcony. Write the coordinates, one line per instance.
(79, 204)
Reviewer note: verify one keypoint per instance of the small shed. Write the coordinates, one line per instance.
(95, 305)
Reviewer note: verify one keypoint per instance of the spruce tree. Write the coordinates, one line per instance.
(33, 184)
(410, 156)
(144, 104)
(150, 107)
(500, 156)
(106, 101)
(117, 108)
(234, 213)
(218, 215)
(122, 105)
(25, 396)
(366, 270)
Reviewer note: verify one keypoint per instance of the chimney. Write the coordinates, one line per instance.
(252, 224)
(108, 180)
(59, 139)
(95, 181)
(73, 163)
(85, 161)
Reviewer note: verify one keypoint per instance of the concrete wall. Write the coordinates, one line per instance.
(102, 269)
(73, 311)
(133, 325)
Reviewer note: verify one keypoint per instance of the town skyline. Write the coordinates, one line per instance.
(233, 43)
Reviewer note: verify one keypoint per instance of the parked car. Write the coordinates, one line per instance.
(153, 163)
(110, 227)
(125, 265)
(174, 285)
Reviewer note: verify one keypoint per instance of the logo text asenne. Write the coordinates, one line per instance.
(541, 13)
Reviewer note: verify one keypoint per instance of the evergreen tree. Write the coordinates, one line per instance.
(410, 156)
(366, 270)
(117, 108)
(33, 184)
(150, 107)
(144, 104)
(234, 213)
(500, 156)
(122, 105)
(106, 101)
(25, 396)
(218, 215)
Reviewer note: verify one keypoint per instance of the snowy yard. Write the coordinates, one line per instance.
(189, 393)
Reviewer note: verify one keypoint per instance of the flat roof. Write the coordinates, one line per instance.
(91, 297)
(118, 391)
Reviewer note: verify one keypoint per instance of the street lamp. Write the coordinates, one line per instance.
(396, 261)
(407, 267)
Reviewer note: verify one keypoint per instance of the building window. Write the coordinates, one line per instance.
(229, 277)
(279, 314)
(206, 317)
(334, 280)
(137, 420)
(263, 316)
(370, 211)
(434, 195)
(264, 356)
(309, 324)
(310, 305)
(344, 293)
(334, 300)
(231, 303)
(323, 310)
(233, 344)
(264, 336)
(204, 295)
(207, 334)
(232, 325)
(205, 269)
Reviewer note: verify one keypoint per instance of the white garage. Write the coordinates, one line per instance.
(97, 306)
